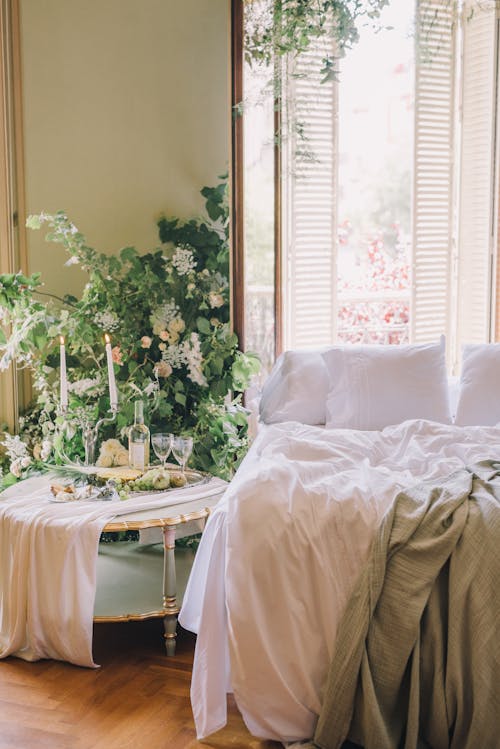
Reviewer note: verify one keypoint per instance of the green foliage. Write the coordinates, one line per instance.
(290, 27)
(276, 32)
(167, 313)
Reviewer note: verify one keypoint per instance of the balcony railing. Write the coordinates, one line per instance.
(380, 316)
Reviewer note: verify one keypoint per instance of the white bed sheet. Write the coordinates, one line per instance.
(280, 556)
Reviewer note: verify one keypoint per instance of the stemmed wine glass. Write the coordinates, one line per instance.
(162, 445)
(181, 449)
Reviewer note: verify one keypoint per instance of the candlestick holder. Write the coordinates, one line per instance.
(90, 433)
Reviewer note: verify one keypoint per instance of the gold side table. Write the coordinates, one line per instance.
(137, 580)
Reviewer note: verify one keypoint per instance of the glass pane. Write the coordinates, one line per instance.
(375, 167)
(259, 213)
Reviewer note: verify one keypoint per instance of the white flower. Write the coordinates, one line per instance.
(163, 315)
(175, 328)
(16, 469)
(163, 369)
(25, 461)
(87, 386)
(183, 261)
(105, 461)
(15, 447)
(46, 450)
(146, 341)
(112, 453)
(151, 387)
(73, 260)
(215, 300)
(220, 280)
(194, 360)
(108, 321)
(175, 356)
(177, 325)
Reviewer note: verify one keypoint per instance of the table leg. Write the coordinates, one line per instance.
(169, 589)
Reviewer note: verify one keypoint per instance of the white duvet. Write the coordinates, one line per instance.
(281, 553)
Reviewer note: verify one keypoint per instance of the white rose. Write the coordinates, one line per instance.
(15, 468)
(163, 369)
(105, 461)
(46, 449)
(215, 300)
(177, 325)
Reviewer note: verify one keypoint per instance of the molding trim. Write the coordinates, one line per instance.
(237, 267)
(13, 252)
(278, 222)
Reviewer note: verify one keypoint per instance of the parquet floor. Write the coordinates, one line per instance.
(138, 699)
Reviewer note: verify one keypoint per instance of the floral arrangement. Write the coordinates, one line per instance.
(167, 315)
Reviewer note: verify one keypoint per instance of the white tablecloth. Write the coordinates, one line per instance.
(48, 556)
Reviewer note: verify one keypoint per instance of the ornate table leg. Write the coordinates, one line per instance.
(169, 589)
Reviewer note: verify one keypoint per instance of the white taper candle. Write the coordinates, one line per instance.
(63, 375)
(113, 393)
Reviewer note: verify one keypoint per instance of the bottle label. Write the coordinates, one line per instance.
(137, 455)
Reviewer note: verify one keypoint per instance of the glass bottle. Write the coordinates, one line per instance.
(138, 439)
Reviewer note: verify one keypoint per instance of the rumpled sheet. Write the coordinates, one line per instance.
(48, 557)
(282, 552)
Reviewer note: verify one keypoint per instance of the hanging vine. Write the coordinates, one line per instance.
(278, 28)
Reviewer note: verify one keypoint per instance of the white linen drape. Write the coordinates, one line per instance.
(48, 556)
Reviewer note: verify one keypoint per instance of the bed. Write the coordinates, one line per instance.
(285, 548)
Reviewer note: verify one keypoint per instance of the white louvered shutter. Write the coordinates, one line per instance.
(477, 174)
(433, 171)
(309, 207)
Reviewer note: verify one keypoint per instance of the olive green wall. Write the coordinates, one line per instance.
(125, 117)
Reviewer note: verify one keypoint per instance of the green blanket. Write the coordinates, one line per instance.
(417, 660)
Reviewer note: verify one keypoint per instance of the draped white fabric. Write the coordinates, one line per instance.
(282, 552)
(48, 555)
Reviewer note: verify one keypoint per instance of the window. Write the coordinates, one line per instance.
(389, 234)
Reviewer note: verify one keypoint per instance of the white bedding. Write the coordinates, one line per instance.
(282, 552)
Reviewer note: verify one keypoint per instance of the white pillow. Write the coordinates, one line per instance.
(296, 389)
(374, 386)
(453, 388)
(479, 394)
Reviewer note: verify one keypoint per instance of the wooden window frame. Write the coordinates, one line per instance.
(237, 192)
(13, 253)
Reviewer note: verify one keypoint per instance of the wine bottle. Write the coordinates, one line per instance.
(138, 439)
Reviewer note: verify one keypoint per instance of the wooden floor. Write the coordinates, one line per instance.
(138, 699)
